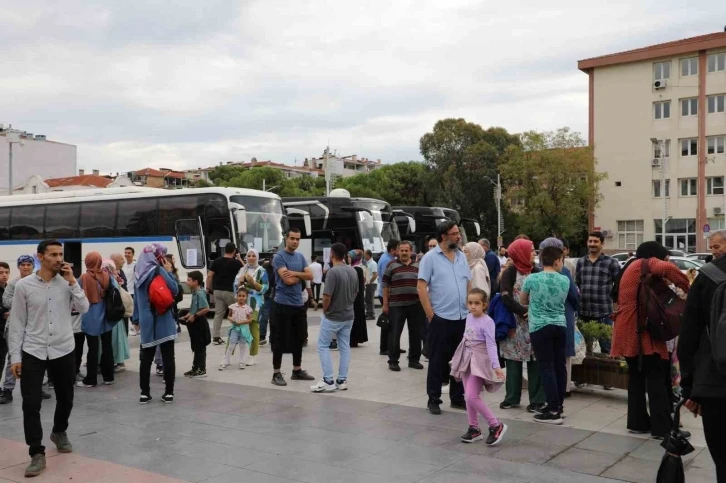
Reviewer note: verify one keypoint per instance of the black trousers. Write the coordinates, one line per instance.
(713, 412)
(290, 330)
(147, 358)
(92, 358)
(80, 339)
(549, 349)
(650, 380)
(316, 291)
(398, 316)
(444, 337)
(383, 344)
(62, 371)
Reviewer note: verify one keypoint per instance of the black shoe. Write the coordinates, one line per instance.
(263, 342)
(199, 373)
(548, 418)
(301, 376)
(44, 395)
(305, 343)
(496, 434)
(334, 345)
(159, 371)
(607, 388)
(568, 395)
(383, 353)
(434, 408)
(168, 398)
(218, 341)
(402, 351)
(474, 434)
(415, 365)
(6, 397)
(532, 408)
(144, 399)
(393, 366)
(458, 405)
(370, 317)
(278, 380)
(506, 405)
(189, 373)
(681, 434)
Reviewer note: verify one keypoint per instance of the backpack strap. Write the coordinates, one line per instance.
(714, 273)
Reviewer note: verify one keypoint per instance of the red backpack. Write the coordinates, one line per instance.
(160, 296)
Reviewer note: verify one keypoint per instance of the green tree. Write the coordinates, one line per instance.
(203, 183)
(463, 157)
(551, 181)
(405, 183)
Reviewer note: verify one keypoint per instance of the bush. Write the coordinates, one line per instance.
(592, 331)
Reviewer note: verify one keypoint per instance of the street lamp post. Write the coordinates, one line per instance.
(13, 137)
(498, 199)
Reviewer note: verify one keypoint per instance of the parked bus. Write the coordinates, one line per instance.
(362, 223)
(426, 219)
(194, 224)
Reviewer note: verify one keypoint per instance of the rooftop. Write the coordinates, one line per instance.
(90, 180)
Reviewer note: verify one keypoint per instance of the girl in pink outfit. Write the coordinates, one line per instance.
(477, 365)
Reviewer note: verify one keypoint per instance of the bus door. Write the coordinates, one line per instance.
(73, 253)
(191, 245)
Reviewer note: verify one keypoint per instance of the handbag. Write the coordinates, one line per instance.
(383, 321)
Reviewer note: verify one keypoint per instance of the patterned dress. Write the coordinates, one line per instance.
(518, 348)
(255, 300)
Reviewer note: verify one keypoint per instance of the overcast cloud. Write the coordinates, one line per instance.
(188, 84)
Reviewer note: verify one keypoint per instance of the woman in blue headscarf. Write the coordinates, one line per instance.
(155, 329)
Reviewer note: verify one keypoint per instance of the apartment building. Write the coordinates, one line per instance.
(657, 121)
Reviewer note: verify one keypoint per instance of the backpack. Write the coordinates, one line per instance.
(160, 296)
(115, 308)
(716, 328)
(660, 310)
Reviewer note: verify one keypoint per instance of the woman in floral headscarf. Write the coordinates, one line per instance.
(359, 333)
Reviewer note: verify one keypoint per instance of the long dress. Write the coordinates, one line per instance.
(256, 300)
(359, 333)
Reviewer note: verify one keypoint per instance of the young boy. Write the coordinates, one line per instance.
(196, 321)
(545, 293)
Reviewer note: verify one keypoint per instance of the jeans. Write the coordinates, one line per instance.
(370, 293)
(316, 291)
(548, 344)
(398, 316)
(92, 358)
(444, 337)
(605, 344)
(62, 372)
(222, 300)
(329, 330)
(650, 380)
(235, 338)
(713, 412)
(264, 318)
(147, 357)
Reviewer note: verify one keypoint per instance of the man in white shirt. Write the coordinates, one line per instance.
(40, 337)
(317, 270)
(128, 270)
(371, 284)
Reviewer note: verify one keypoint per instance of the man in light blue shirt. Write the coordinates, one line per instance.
(444, 280)
(386, 258)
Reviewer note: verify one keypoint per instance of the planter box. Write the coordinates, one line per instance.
(600, 371)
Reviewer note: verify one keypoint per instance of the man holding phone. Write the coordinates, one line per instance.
(40, 337)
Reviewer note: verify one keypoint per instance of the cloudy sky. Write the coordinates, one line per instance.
(188, 84)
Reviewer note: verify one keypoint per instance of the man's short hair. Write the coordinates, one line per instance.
(133, 252)
(369, 253)
(292, 230)
(407, 243)
(598, 235)
(230, 248)
(549, 255)
(4, 265)
(443, 229)
(338, 251)
(485, 243)
(197, 276)
(716, 233)
(392, 245)
(43, 246)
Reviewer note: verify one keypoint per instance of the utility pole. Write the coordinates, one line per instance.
(13, 137)
(498, 201)
(327, 171)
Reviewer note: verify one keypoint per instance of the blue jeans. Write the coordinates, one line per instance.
(264, 318)
(328, 331)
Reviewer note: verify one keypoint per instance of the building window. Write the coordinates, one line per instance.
(716, 103)
(680, 233)
(661, 70)
(717, 62)
(714, 185)
(689, 186)
(657, 191)
(657, 151)
(630, 234)
(689, 66)
(689, 107)
(662, 109)
(689, 147)
(715, 144)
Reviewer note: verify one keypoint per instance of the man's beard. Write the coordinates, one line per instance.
(453, 246)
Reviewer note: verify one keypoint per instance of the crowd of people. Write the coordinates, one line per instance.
(476, 315)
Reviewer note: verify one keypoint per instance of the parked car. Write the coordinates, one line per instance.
(677, 253)
(621, 258)
(701, 257)
(685, 263)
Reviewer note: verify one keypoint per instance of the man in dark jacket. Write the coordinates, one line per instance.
(704, 387)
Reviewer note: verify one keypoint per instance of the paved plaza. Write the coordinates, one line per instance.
(235, 426)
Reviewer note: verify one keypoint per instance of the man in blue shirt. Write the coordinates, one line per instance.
(386, 258)
(444, 280)
(492, 261)
(290, 316)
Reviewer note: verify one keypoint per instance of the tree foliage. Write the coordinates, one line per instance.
(274, 180)
(552, 182)
(406, 183)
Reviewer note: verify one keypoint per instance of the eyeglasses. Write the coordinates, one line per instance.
(454, 233)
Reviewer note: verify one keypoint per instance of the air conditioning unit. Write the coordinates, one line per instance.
(607, 233)
(655, 162)
(660, 84)
(717, 210)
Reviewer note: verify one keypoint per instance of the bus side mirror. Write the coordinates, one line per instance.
(240, 216)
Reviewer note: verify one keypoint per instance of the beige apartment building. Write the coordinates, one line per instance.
(657, 120)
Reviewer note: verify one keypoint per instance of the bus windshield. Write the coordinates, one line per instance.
(375, 232)
(264, 223)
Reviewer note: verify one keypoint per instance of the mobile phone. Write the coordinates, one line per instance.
(69, 264)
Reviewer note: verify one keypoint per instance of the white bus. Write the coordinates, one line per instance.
(194, 224)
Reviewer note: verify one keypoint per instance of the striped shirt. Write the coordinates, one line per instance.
(401, 281)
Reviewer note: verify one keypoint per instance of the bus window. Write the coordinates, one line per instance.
(61, 220)
(136, 217)
(26, 222)
(4, 223)
(175, 208)
(97, 219)
(189, 236)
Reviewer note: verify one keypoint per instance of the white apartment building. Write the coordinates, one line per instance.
(657, 120)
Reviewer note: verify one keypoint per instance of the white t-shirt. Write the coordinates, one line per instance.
(317, 270)
(372, 268)
(128, 270)
(502, 261)
(305, 295)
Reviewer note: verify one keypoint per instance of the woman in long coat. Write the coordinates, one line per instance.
(359, 333)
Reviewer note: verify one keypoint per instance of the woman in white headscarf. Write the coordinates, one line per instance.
(253, 277)
(479, 271)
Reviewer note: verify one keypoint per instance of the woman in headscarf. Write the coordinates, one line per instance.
(359, 333)
(119, 341)
(516, 348)
(155, 329)
(480, 277)
(572, 304)
(95, 281)
(254, 278)
(647, 358)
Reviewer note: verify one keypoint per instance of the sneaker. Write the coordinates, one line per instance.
(144, 399)
(159, 371)
(198, 373)
(301, 376)
(250, 361)
(334, 345)
(393, 366)
(506, 405)
(434, 408)
(532, 408)
(496, 434)
(548, 418)
(458, 405)
(242, 365)
(415, 365)
(44, 394)
(108, 383)
(6, 397)
(223, 366)
(169, 398)
(323, 386)
(51, 385)
(61, 442)
(192, 371)
(81, 384)
(36, 466)
(474, 434)
(636, 431)
(119, 368)
(278, 380)
(132, 331)
(218, 341)
(341, 385)
(263, 342)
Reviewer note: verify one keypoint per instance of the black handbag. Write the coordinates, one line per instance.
(382, 321)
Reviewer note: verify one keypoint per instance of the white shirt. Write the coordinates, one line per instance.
(502, 261)
(305, 295)
(128, 270)
(372, 268)
(317, 270)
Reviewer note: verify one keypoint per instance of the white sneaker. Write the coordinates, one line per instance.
(323, 386)
(223, 366)
(342, 386)
(250, 361)
(241, 365)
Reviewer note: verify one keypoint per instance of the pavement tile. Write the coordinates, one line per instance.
(397, 468)
(559, 435)
(496, 469)
(189, 468)
(652, 450)
(423, 454)
(632, 469)
(610, 443)
(237, 475)
(584, 461)
(315, 472)
(553, 475)
(330, 455)
(701, 475)
(526, 451)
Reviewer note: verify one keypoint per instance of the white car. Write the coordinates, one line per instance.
(621, 258)
(701, 257)
(685, 263)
